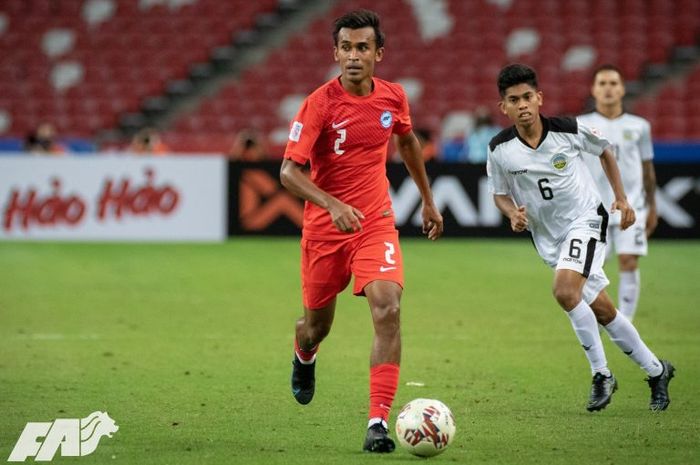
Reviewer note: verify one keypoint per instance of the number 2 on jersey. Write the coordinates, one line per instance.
(341, 138)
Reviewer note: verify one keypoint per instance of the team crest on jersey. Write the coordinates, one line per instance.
(559, 161)
(386, 119)
(628, 134)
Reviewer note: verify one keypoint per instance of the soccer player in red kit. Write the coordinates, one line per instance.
(343, 130)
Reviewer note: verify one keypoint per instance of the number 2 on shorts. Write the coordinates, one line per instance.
(389, 252)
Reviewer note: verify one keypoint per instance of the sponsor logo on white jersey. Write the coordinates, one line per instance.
(596, 131)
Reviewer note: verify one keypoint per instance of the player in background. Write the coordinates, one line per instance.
(342, 130)
(630, 137)
(539, 181)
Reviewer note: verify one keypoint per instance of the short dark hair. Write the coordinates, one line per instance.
(607, 67)
(515, 74)
(357, 20)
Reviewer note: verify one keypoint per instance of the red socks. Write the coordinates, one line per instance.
(305, 356)
(383, 382)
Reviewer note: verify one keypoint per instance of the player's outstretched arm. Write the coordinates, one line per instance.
(612, 172)
(345, 217)
(410, 151)
(649, 176)
(516, 215)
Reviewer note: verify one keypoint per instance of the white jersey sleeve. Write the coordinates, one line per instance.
(630, 137)
(498, 183)
(592, 140)
(646, 149)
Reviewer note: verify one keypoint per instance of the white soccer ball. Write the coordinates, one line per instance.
(425, 427)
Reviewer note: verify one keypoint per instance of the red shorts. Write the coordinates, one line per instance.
(326, 266)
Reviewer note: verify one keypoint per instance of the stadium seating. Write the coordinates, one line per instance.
(105, 57)
(674, 109)
(81, 63)
(457, 69)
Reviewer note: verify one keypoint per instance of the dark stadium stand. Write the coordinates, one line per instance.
(115, 61)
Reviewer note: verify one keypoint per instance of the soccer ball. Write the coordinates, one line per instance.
(425, 427)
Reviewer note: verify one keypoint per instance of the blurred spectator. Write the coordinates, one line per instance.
(147, 142)
(42, 141)
(453, 151)
(476, 143)
(248, 146)
(454, 126)
(428, 147)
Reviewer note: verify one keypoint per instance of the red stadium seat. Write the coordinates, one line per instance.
(126, 58)
(459, 70)
(133, 54)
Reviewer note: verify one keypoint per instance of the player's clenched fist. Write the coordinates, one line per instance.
(518, 220)
(432, 222)
(346, 218)
(627, 215)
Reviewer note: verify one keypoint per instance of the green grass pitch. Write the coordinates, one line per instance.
(188, 348)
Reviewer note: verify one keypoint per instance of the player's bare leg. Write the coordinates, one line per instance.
(604, 308)
(623, 333)
(568, 291)
(568, 288)
(311, 329)
(314, 326)
(629, 286)
(384, 298)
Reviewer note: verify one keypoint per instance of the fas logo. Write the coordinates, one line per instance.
(386, 119)
(75, 436)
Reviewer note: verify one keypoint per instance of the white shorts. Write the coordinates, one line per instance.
(631, 241)
(583, 252)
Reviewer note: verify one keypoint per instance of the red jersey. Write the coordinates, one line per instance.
(345, 138)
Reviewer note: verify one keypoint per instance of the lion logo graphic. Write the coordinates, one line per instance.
(92, 428)
(74, 436)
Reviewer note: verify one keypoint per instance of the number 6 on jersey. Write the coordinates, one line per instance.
(546, 192)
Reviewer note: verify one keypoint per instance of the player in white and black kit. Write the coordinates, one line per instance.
(539, 181)
(630, 137)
